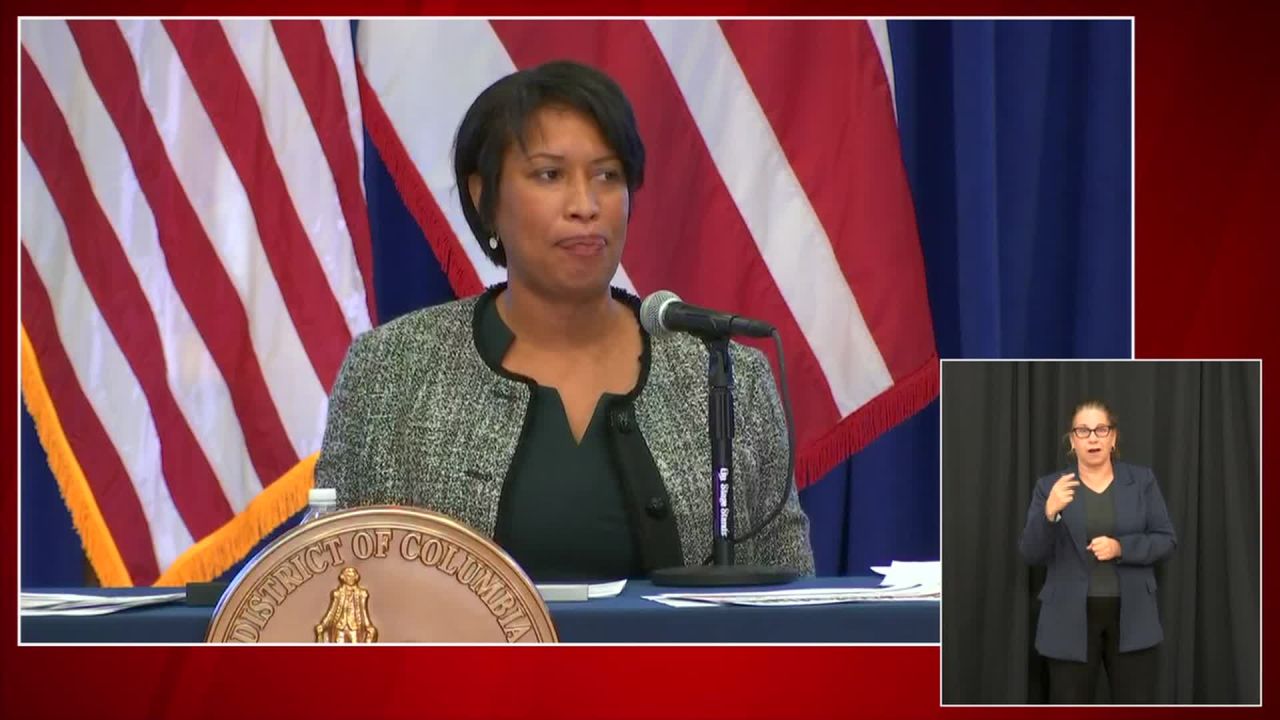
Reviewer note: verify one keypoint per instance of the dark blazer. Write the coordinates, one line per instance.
(1145, 534)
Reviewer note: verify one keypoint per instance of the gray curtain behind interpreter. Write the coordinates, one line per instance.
(1195, 424)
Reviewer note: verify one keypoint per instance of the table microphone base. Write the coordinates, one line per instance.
(722, 575)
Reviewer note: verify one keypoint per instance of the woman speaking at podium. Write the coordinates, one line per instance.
(1100, 529)
(540, 412)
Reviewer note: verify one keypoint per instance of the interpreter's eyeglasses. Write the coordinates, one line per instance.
(1082, 432)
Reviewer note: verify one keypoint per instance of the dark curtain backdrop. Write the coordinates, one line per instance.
(1016, 140)
(1195, 424)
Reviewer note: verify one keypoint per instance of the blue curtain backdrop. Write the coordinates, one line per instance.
(1016, 136)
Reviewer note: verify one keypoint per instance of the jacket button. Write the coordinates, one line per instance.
(656, 508)
(622, 421)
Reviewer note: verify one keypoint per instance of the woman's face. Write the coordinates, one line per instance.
(1092, 451)
(562, 206)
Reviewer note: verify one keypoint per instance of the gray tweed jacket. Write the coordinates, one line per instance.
(417, 418)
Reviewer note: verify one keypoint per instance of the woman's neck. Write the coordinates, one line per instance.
(1095, 475)
(552, 323)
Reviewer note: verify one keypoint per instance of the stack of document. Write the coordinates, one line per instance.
(902, 581)
(805, 596)
(72, 604)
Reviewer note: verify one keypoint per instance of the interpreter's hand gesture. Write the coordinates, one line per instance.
(1060, 495)
(1104, 548)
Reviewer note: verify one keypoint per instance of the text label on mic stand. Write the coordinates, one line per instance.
(720, 427)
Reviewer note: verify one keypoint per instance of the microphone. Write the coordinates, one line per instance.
(662, 314)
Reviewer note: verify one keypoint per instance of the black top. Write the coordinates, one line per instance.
(565, 512)
(1100, 519)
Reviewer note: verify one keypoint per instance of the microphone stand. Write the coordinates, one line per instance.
(720, 424)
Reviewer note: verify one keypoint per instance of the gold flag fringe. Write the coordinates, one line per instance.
(227, 545)
(96, 538)
(203, 561)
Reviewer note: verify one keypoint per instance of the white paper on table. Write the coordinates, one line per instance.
(563, 592)
(33, 600)
(805, 596)
(79, 611)
(901, 573)
(606, 590)
(84, 604)
(679, 603)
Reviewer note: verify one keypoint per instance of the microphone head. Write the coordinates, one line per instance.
(651, 312)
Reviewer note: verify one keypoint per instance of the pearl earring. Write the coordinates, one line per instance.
(493, 242)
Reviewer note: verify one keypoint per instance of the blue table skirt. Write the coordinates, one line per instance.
(628, 618)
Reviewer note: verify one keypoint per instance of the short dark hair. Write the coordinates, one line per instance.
(501, 114)
(1093, 404)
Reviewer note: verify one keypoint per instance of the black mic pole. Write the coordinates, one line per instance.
(720, 427)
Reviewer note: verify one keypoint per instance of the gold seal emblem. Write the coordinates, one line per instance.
(347, 620)
(381, 574)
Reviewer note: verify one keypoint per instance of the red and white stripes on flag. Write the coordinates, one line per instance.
(774, 187)
(195, 262)
(196, 252)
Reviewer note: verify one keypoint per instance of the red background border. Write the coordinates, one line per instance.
(1207, 122)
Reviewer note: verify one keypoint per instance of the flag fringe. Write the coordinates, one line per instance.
(907, 397)
(203, 561)
(227, 545)
(104, 556)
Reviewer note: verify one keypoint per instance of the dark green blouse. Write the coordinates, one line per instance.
(1100, 519)
(564, 512)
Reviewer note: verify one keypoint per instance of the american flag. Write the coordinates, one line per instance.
(196, 252)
